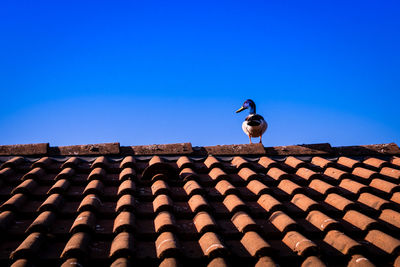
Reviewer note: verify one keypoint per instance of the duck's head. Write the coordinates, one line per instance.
(248, 104)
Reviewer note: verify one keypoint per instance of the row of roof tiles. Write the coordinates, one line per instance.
(248, 193)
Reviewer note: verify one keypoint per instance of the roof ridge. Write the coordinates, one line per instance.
(187, 149)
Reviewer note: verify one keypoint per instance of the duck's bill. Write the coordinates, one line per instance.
(240, 109)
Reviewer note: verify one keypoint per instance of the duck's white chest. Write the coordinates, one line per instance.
(254, 131)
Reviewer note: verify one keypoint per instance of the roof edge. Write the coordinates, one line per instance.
(43, 149)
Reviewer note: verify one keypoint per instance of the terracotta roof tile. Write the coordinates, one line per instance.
(127, 162)
(204, 222)
(383, 241)
(395, 161)
(342, 242)
(197, 203)
(360, 220)
(167, 245)
(282, 221)
(122, 245)
(322, 221)
(255, 244)
(127, 173)
(244, 205)
(300, 244)
(211, 245)
(77, 246)
(29, 247)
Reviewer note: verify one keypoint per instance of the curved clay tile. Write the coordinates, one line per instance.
(211, 162)
(77, 246)
(44, 162)
(342, 242)
(307, 174)
(313, 261)
(6, 173)
(158, 166)
(128, 162)
(192, 187)
(197, 203)
(295, 162)
(218, 174)
(395, 161)
(278, 174)
(240, 163)
(218, 262)
(233, 203)
(268, 163)
(29, 247)
(188, 174)
(359, 260)
(373, 201)
(26, 187)
(304, 203)
(164, 222)
(321, 162)
(167, 245)
(353, 186)
(125, 222)
(244, 222)
(360, 220)
(384, 186)
(85, 222)
(53, 203)
(162, 203)
(339, 202)
(282, 222)
(269, 203)
(159, 187)
(300, 244)
(257, 187)
(390, 172)
(122, 246)
(383, 241)
(34, 174)
(60, 187)
(94, 187)
(321, 221)
(127, 174)
(72, 262)
(126, 187)
(322, 187)
(72, 162)
(211, 245)
(22, 263)
(6, 219)
(247, 174)
(97, 174)
(289, 187)
(91, 202)
(336, 173)
(13, 163)
(225, 188)
(204, 222)
(376, 163)
(119, 262)
(395, 197)
(365, 173)
(255, 244)
(265, 262)
(100, 162)
(14, 203)
(390, 216)
(349, 163)
(66, 173)
(184, 162)
(125, 203)
(42, 223)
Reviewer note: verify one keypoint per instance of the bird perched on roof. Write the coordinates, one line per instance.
(254, 125)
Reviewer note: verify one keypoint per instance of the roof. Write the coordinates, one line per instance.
(174, 204)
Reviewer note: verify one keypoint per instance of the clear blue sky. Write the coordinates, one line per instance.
(149, 72)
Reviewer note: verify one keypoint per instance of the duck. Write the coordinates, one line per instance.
(254, 125)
